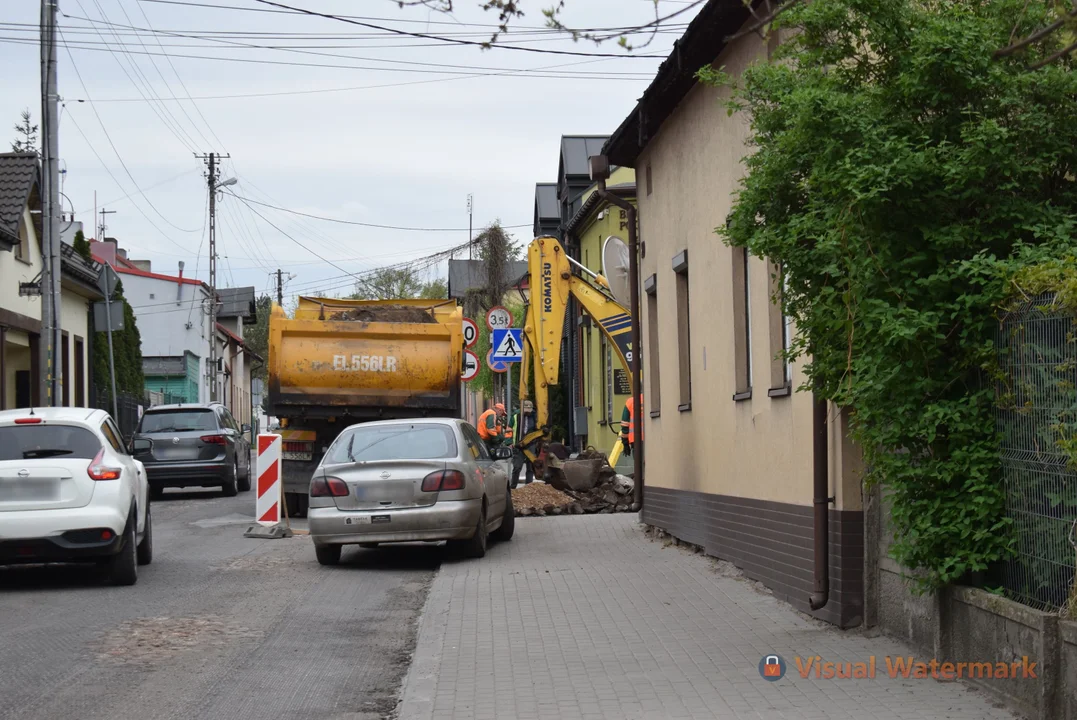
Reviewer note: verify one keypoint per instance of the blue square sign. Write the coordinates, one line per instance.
(507, 345)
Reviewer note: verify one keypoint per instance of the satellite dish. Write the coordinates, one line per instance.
(615, 259)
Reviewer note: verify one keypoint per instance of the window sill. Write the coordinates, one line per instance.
(24, 261)
(779, 392)
(656, 413)
(741, 396)
(685, 407)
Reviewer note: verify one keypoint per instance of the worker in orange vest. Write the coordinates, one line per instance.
(491, 426)
(628, 425)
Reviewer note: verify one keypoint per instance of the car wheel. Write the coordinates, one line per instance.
(475, 547)
(230, 486)
(296, 504)
(123, 566)
(145, 548)
(327, 554)
(245, 482)
(508, 521)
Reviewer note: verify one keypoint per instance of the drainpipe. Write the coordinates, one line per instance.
(821, 503)
(600, 172)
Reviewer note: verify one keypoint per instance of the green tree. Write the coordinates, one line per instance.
(127, 354)
(27, 140)
(435, 289)
(900, 177)
(257, 337)
(390, 283)
(82, 246)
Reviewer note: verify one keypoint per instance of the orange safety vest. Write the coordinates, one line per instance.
(628, 426)
(484, 432)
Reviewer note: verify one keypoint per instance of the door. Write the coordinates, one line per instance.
(495, 475)
(131, 468)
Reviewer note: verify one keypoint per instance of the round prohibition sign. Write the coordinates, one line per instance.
(471, 332)
(498, 318)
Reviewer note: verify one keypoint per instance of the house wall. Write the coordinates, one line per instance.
(75, 320)
(163, 309)
(732, 476)
(598, 361)
(13, 271)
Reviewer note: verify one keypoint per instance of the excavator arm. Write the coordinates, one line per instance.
(552, 283)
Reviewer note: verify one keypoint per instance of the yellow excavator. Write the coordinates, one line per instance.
(552, 282)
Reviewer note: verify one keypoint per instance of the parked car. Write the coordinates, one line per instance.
(196, 445)
(70, 492)
(409, 480)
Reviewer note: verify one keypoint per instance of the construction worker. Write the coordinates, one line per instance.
(491, 426)
(520, 429)
(628, 425)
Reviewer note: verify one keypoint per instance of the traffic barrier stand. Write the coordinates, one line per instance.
(268, 491)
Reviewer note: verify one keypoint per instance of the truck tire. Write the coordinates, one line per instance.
(296, 504)
(508, 521)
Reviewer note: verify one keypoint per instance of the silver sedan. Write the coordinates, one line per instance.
(410, 480)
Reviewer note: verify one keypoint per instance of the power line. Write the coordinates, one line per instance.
(362, 224)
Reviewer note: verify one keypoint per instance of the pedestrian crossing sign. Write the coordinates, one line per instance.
(507, 344)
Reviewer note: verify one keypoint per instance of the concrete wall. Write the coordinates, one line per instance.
(163, 319)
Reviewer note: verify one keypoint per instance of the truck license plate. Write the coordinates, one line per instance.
(292, 455)
(361, 520)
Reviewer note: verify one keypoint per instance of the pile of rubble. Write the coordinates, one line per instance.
(385, 313)
(585, 484)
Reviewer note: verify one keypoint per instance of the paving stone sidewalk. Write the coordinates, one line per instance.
(584, 617)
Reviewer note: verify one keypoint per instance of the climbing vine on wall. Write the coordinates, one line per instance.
(903, 177)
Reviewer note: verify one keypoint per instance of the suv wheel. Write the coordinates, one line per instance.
(145, 548)
(123, 566)
(230, 486)
(244, 483)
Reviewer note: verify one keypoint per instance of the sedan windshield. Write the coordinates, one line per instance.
(29, 442)
(394, 442)
(178, 421)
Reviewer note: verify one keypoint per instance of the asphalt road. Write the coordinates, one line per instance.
(219, 626)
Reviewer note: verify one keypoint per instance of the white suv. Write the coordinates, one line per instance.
(70, 492)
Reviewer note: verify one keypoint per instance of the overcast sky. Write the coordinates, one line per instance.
(404, 154)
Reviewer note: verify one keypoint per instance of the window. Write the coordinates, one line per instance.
(742, 325)
(113, 436)
(28, 442)
(650, 287)
(421, 441)
(80, 373)
(177, 421)
(478, 447)
(684, 332)
(780, 370)
(65, 369)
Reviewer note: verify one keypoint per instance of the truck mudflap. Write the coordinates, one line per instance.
(297, 475)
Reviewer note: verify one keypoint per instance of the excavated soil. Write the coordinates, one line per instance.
(385, 313)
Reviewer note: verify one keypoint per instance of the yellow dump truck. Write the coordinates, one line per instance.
(340, 362)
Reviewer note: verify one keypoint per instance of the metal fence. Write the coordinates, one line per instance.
(1037, 424)
(129, 406)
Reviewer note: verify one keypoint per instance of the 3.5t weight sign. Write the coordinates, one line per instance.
(498, 318)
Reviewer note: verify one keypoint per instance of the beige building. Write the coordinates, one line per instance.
(729, 443)
(21, 362)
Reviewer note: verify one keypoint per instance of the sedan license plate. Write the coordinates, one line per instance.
(361, 520)
(292, 455)
(377, 519)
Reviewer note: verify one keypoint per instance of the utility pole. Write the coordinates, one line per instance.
(469, 227)
(102, 227)
(280, 287)
(211, 179)
(52, 379)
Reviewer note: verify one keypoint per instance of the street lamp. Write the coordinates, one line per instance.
(226, 183)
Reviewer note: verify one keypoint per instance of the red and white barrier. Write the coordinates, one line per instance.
(268, 464)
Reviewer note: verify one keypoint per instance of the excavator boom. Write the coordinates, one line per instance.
(552, 283)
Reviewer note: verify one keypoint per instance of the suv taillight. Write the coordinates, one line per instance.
(443, 480)
(213, 440)
(99, 471)
(328, 487)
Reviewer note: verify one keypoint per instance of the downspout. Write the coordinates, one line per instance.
(600, 171)
(821, 503)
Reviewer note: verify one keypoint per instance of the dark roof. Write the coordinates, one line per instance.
(575, 151)
(19, 175)
(625, 190)
(237, 302)
(546, 207)
(79, 269)
(467, 275)
(701, 43)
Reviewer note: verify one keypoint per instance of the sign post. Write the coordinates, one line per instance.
(106, 283)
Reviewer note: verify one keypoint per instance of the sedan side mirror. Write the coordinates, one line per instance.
(502, 453)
